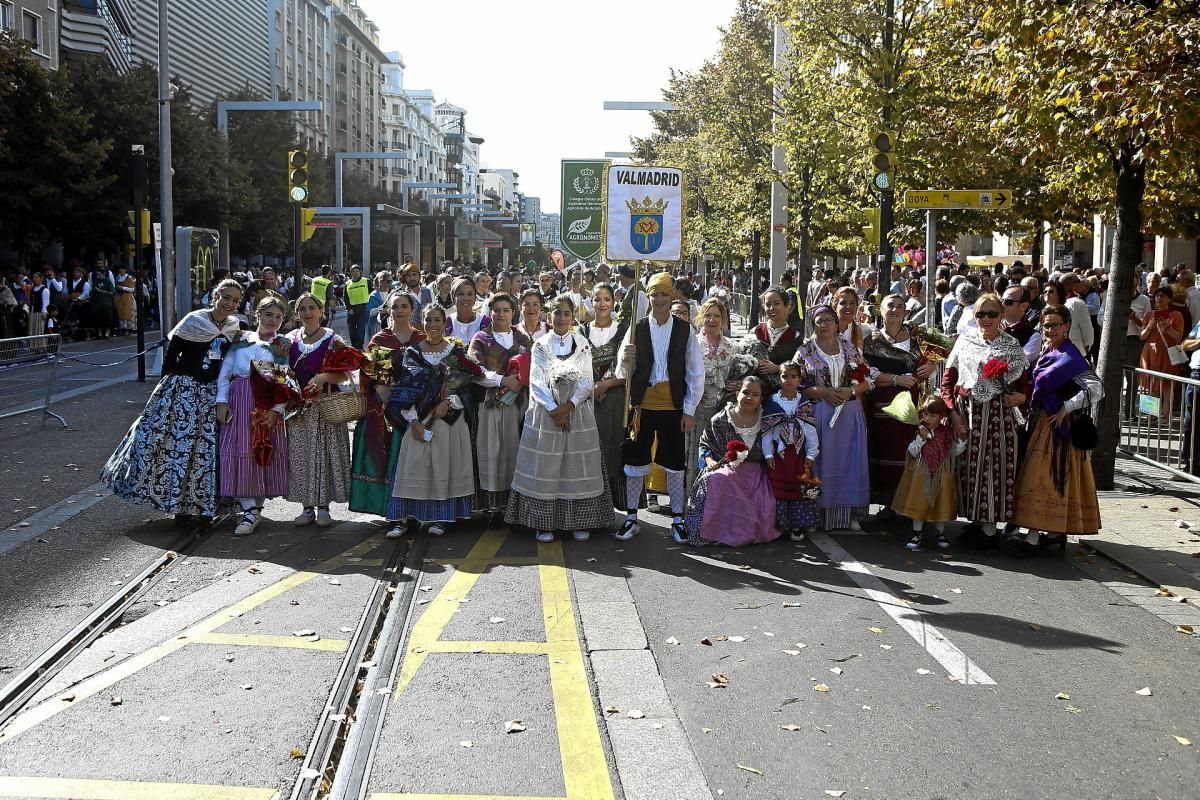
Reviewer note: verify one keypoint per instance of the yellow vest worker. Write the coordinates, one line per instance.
(319, 288)
(357, 292)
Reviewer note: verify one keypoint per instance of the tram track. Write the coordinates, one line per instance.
(25, 685)
(337, 759)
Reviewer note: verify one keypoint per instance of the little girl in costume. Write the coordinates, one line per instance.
(927, 492)
(791, 447)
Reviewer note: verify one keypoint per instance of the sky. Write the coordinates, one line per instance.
(533, 74)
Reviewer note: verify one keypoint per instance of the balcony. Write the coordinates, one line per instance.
(392, 119)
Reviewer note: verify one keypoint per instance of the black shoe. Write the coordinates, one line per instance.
(1050, 542)
(184, 520)
(1027, 550)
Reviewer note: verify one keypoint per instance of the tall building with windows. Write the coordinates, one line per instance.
(35, 21)
(216, 47)
(302, 42)
(98, 31)
(357, 84)
(531, 212)
(409, 125)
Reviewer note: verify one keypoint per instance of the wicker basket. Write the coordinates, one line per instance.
(338, 408)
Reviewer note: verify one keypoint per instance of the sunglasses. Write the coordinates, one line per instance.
(1008, 301)
(987, 314)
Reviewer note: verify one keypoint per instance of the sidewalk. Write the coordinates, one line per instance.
(1144, 530)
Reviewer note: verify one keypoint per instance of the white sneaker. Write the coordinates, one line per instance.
(796, 536)
(248, 524)
(397, 531)
(629, 529)
(545, 536)
(581, 536)
(436, 530)
(855, 525)
(305, 517)
(323, 518)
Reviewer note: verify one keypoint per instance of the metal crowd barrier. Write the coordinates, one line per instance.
(739, 305)
(22, 388)
(1159, 411)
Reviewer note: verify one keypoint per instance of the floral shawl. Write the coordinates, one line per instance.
(971, 351)
(816, 369)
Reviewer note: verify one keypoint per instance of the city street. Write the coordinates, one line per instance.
(483, 664)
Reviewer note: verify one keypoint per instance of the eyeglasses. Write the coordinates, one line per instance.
(1051, 326)
(824, 321)
(1009, 301)
(986, 314)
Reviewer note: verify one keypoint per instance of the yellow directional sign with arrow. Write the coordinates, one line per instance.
(982, 199)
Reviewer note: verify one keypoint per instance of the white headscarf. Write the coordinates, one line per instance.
(198, 326)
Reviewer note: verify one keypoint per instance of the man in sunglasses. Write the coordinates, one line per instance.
(1015, 323)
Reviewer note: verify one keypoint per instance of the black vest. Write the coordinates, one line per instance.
(676, 361)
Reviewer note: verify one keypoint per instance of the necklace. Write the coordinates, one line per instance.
(712, 347)
(774, 333)
(306, 336)
(563, 339)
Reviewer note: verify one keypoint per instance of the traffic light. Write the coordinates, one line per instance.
(298, 176)
(145, 215)
(883, 160)
(871, 229)
(307, 229)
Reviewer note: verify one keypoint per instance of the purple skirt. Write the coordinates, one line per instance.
(842, 462)
(241, 476)
(733, 506)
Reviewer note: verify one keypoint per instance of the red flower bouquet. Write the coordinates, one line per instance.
(736, 452)
(995, 369)
(519, 365)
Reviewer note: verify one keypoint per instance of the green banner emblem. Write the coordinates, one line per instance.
(582, 212)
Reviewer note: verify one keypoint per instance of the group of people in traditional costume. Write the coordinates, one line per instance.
(511, 406)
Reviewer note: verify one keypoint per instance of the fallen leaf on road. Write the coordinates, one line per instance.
(1144, 692)
(1188, 629)
(957, 591)
(1062, 696)
(1164, 592)
(790, 728)
(611, 710)
(744, 567)
(334, 582)
(635, 713)
(706, 730)
(875, 630)
(164, 719)
(1172, 509)
(1184, 741)
(1074, 710)
(305, 774)
(923, 671)
(254, 571)
(345, 629)
(850, 657)
(496, 620)
(718, 682)
(866, 708)
(791, 605)
(721, 638)
(672, 640)
(293, 602)
(885, 647)
(514, 726)
(792, 652)
(820, 687)
(247, 686)
(1034, 627)
(753, 770)
(115, 700)
(162, 603)
(466, 743)
(835, 792)
(296, 753)
(706, 642)
(1182, 523)
(737, 638)
(303, 632)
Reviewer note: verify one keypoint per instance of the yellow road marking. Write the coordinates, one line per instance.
(406, 796)
(585, 767)
(492, 648)
(438, 615)
(503, 561)
(103, 680)
(261, 640)
(80, 789)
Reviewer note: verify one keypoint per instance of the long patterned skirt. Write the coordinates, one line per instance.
(434, 480)
(887, 441)
(560, 482)
(168, 459)
(1040, 506)
(318, 460)
(732, 506)
(610, 424)
(241, 474)
(987, 470)
(496, 443)
(374, 463)
(692, 444)
(842, 464)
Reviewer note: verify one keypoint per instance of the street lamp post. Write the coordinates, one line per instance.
(223, 109)
(779, 213)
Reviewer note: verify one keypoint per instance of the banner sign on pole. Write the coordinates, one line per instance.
(582, 209)
(643, 213)
(528, 234)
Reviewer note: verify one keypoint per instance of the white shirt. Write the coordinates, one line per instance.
(535, 334)
(237, 364)
(465, 330)
(1140, 306)
(1081, 333)
(601, 336)
(660, 341)
(543, 395)
(773, 443)
(505, 339)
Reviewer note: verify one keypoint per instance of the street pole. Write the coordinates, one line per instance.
(930, 263)
(137, 194)
(298, 265)
(887, 197)
(755, 255)
(166, 198)
(779, 214)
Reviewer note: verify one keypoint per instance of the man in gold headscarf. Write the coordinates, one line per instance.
(661, 360)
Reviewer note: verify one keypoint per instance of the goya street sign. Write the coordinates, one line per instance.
(984, 199)
(347, 221)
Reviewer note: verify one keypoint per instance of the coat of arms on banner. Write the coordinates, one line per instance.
(587, 182)
(646, 224)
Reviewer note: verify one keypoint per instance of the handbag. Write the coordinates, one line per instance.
(338, 408)
(1084, 435)
(1177, 356)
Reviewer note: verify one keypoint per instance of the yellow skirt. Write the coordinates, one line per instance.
(1039, 506)
(911, 499)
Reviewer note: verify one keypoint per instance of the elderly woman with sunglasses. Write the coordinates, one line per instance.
(984, 384)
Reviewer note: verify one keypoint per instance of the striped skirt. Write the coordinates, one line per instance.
(241, 475)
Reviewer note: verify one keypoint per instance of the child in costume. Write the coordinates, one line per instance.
(791, 448)
(927, 492)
